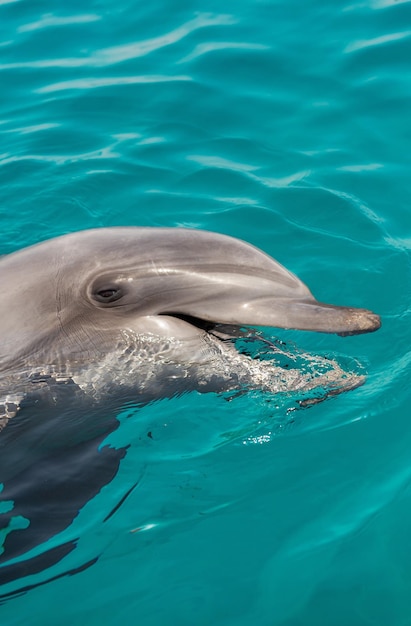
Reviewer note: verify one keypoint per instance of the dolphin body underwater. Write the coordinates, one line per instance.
(102, 317)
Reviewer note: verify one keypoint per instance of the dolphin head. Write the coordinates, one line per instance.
(170, 282)
(166, 281)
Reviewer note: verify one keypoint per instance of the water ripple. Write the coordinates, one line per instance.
(133, 50)
(104, 153)
(216, 161)
(364, 167)
(27, 130)
(51, 20)
(109, 81)
(215, 46)
(117, 54)
(376, 41)
(383, 4)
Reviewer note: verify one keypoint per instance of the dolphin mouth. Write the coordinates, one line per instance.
(221, 331)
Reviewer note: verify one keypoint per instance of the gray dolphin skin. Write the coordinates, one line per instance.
(135, 308)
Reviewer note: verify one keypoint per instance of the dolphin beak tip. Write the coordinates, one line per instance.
(364, 321)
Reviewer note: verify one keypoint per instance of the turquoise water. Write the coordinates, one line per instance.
(288, 125)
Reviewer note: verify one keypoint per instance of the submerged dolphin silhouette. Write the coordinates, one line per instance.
(133, 313)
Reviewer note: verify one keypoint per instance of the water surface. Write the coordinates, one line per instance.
(285, 124)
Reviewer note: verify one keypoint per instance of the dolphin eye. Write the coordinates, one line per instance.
(108, 294)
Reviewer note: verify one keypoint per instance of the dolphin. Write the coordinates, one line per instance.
(118, 299)
(105, 316)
